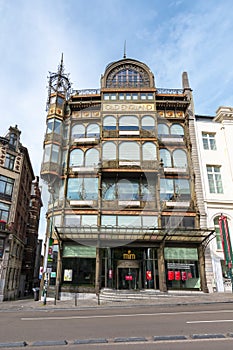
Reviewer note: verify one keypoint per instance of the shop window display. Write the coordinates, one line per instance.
(182, 268)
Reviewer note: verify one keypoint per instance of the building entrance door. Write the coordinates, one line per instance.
(128, 278)
(128, 275)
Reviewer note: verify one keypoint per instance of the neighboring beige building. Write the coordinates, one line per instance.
(17, 231)
(215, 145)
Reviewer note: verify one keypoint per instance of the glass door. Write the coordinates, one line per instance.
(128, 278)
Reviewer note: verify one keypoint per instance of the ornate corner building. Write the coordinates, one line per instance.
(126, 208)
(20, 204)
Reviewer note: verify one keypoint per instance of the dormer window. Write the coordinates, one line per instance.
(13, 139)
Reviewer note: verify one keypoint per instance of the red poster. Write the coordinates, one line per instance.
(184, 275)
(177, 275)
(171, 275)
(128, 278)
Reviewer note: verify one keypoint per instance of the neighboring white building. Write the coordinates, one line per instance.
(215, 145)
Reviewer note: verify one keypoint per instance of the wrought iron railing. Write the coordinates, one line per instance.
(97, 91)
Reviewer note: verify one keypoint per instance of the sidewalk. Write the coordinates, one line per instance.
(171, 298)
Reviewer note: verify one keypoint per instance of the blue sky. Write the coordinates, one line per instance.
(170, 36)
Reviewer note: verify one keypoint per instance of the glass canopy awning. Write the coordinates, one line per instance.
(105, 235)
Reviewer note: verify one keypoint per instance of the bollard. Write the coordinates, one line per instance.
(75, 299)
(98, 298)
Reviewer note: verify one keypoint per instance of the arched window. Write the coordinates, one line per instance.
(129, 151)
(128, 77)
(149, 151)
(109, 123)
(163, 129)
(177, 129)
(128, 122)
(78, 131)
(165, 156)
(179, 159)
(148, 123)
(217, 231)
(76, 158)
(109, 151)
(93, 130)
(91, 157)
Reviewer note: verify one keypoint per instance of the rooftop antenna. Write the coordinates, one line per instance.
(124, 49)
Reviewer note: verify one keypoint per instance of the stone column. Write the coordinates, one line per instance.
(161, 268)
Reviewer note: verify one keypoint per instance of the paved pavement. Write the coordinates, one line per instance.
(91, 301)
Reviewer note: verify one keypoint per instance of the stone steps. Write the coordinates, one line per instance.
(124, 295)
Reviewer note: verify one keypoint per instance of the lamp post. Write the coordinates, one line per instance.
(48, 247)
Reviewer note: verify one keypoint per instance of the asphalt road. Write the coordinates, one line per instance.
(207, 326)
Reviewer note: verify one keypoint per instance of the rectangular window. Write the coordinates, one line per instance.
(82, 189)
(106, 97)
(4, 211)
(150, 221)
(91, 188)
(6, 186)
(54, 125)
(47, 151)
(173, 222)
(150, 96)
(60, 100)
(108, 220)
(129, 221)
(72, 220)
(208, 140)
(55, 154)
(75, 189)
(175, 189)
(121, 96)
(9, 161)
(113, 96)
(1, 247)
(214, 179)
(128, 190)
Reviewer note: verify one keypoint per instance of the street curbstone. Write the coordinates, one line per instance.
(207, 336)
(13, 344)
(50, 343)
(129, 339)
(90, 341)
(169, 337)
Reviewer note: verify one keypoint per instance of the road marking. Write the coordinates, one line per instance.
(210, 321)
(125, 315)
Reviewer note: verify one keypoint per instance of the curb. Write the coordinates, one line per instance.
(165, 338)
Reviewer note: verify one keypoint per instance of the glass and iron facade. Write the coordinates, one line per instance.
(123, 212)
